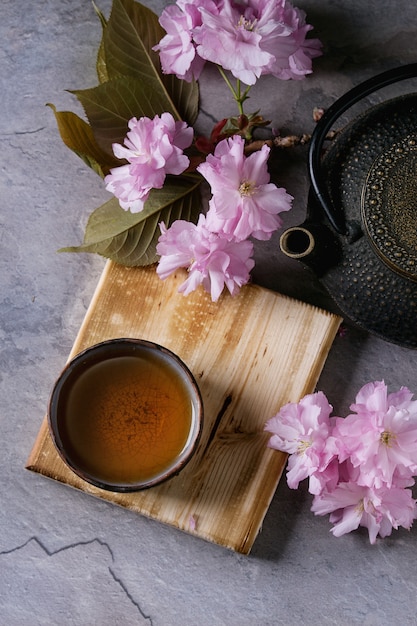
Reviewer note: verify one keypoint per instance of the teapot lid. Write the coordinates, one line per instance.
(389, 206)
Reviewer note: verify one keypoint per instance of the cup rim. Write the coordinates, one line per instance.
(104, 351)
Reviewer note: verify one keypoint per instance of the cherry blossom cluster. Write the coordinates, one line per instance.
(249, 39)
(244, 202)
(360, 468)
(152, 148)
(217, 252)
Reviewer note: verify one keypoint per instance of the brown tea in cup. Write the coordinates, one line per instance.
(125, 414)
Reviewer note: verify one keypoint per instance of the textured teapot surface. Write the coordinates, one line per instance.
(371, 175)
(389, 206)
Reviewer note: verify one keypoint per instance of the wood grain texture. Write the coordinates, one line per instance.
(250, 355)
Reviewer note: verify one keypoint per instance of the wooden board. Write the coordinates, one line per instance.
(250, 355)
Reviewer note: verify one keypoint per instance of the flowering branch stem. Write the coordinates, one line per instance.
(237, 93)
(288, 141)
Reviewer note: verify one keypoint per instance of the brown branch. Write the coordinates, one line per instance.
(289, 141)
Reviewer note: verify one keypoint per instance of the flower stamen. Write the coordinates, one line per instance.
(360, 507)
(303, 445)
(249, 25)
(246, 188)
(387, 437)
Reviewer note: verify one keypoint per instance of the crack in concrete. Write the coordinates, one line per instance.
(51, 553)
(120, 582)
(23, 132)
(209, 115)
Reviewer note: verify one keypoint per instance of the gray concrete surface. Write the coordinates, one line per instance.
(67, 558)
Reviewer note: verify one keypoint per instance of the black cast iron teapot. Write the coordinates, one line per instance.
(360, 234)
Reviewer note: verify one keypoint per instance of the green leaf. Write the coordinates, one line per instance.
(101, 57)
(185, 95)
(78, 136)
(101, 67)
(99, 15)
(131, 33)
(131, 238)
(110, 105)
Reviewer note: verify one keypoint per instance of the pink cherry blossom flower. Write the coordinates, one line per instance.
(359, 467)
(299, 62)
(244, 202)
(232, 39)
(381, 437)
(212, 261)
(379, 510)
(257, 37)
(177, 49)
(153, 149)
(302, 430)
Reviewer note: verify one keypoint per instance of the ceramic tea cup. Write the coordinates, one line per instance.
(125, 414)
